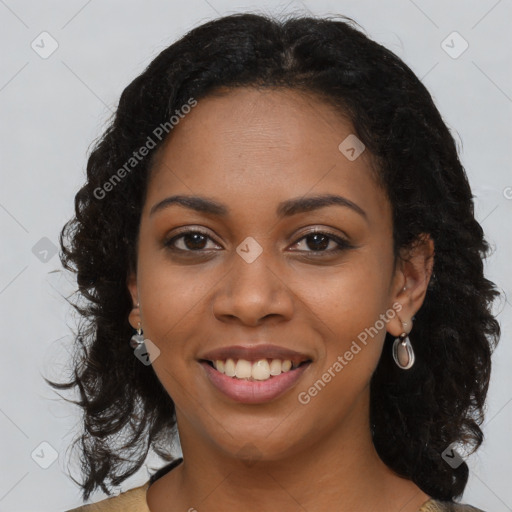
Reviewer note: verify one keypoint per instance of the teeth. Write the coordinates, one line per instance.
(275, 367)
(259, 370)
(220, 366)
(243, 369)
(229, 368)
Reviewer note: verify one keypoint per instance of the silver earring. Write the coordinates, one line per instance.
(403, 354)
(137, 339)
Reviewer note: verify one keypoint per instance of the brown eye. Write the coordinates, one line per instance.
(189, 241)
(318, 242)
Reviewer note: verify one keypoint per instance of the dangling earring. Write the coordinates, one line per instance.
(403, 354)
(137, 339)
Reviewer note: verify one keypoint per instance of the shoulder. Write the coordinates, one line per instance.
(133, 500)
(447, 506)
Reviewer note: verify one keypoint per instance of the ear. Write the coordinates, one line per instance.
(134, 316)
(410, 282)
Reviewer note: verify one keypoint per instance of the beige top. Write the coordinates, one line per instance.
(135, 501)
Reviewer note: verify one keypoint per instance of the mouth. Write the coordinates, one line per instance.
(255, 382)
(260, 370)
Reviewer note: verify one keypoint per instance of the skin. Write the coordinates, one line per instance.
(251, 149)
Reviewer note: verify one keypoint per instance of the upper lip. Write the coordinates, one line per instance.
(254, 353)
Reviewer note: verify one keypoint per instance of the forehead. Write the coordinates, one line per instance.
(249, 145)
(268, 121)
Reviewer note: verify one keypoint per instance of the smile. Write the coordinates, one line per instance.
(252, 383)
(263, 369)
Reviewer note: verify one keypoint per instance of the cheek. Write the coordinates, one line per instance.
(171, 301)
(171, 296)
(353, 297)
(348, 306)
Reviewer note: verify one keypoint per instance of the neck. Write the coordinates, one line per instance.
(340, 469)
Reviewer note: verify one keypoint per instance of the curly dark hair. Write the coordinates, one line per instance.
(415, 415)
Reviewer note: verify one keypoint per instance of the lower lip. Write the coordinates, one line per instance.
(254, 392)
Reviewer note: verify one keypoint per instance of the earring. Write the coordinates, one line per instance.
(137, 339)
(403, 354)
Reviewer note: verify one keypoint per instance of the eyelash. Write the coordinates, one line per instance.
(342, 243)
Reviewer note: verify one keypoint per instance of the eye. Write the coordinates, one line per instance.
(319, 241)
(190, 241)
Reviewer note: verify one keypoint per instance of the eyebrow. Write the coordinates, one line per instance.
(284, 209)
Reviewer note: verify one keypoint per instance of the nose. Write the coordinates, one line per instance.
(252, 292)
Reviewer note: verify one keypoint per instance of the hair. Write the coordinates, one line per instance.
(414, 415)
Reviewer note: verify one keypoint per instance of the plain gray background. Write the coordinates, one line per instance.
(53, 108)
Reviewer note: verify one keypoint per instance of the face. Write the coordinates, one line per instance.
(264, 266)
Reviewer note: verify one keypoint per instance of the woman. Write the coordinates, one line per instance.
(279, 260)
